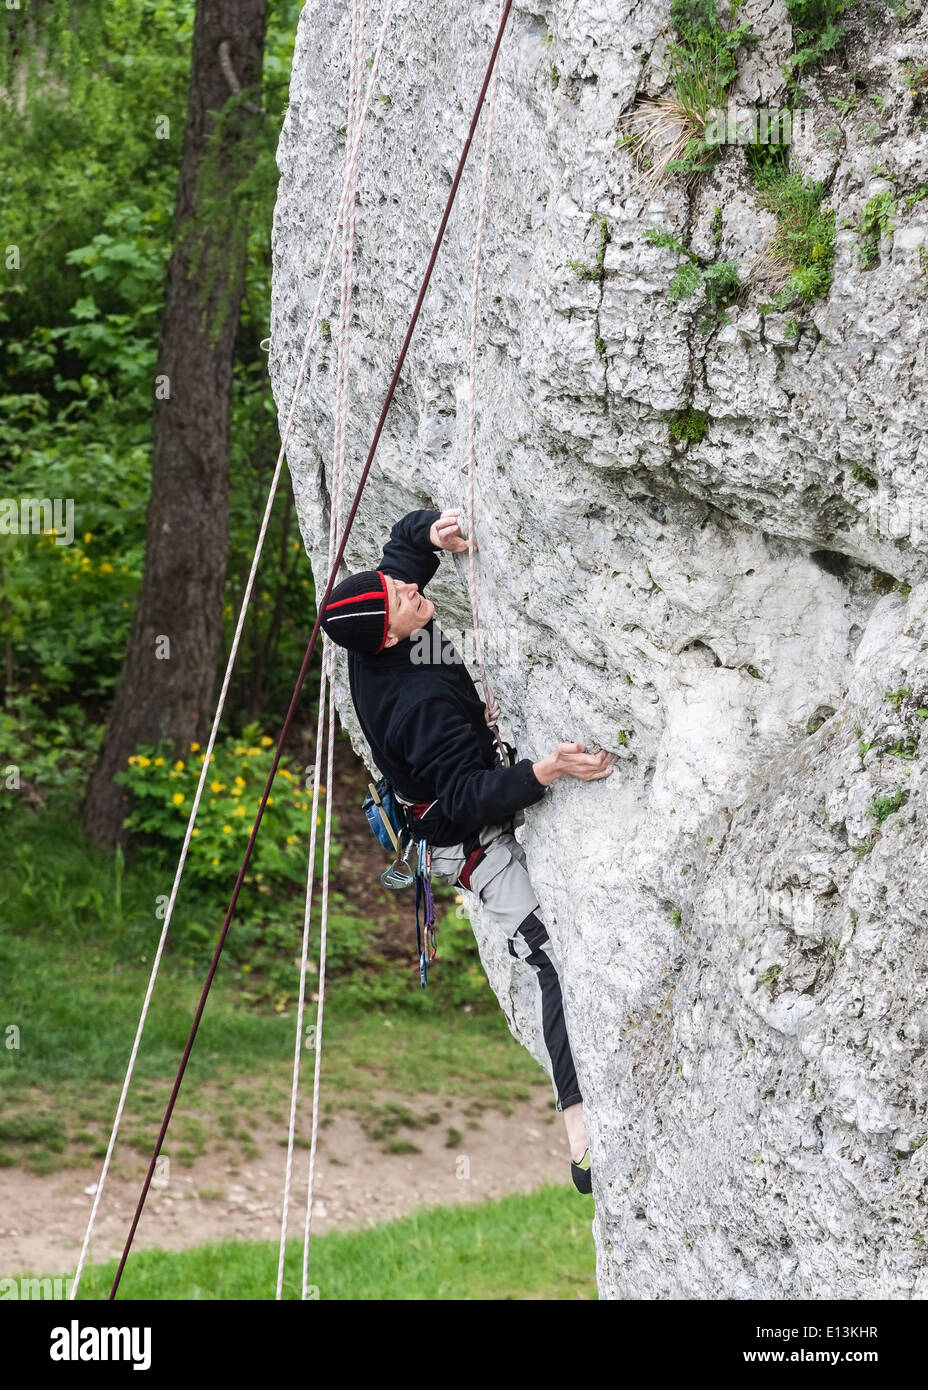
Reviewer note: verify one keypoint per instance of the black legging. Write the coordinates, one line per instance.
(553, 1025)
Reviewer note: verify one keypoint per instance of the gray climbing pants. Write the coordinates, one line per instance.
(500, 880)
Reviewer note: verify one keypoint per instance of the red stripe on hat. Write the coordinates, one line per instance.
(372, 593)
(386, 611)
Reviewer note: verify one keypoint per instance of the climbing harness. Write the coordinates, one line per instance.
(344, 219)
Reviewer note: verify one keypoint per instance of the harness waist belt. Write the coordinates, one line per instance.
(473, 859)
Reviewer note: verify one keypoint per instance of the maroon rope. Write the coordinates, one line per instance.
(309, 652)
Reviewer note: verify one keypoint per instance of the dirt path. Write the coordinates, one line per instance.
(43, 1219)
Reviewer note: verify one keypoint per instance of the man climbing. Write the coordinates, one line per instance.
(428, 733)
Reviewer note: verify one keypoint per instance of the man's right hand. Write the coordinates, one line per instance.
(572, 760)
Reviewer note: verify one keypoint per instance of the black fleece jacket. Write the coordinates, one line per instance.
(425, 721)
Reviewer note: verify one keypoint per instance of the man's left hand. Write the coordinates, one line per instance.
(445, 533)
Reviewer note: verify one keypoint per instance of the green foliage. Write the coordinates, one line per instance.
(701, 66)
(718, 279)
(816, 32)
(906, 749)
(89, 193)
(876, 222)
(805, 237)
(686, 281)
(703, 58)
(689, 424)
(770, 976)
(163, 788)
(895, 697)
(65, 608)
(883, 806)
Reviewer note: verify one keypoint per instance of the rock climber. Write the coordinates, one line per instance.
(428, 732)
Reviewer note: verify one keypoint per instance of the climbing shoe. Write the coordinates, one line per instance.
(582, 1173)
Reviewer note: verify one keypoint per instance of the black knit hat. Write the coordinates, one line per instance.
(356, 614)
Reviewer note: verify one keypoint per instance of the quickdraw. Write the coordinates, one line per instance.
(426, 937)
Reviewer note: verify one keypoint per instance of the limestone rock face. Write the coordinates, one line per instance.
(740, 912)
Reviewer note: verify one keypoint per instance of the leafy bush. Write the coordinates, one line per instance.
(163, 790)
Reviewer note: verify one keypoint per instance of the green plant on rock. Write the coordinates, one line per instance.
(718, 279)
(770, 976)
(701, 67)
(816, 32)
(801, 252)
(883, 806)
(689, 424)
(876, 221)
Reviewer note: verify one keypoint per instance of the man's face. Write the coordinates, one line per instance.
(408, 610)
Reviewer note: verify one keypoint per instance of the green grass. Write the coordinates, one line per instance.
(535, 1246)
(804, 242)
(74, 974)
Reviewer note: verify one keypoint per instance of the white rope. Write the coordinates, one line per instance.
(472, 395)
(329, 659)
(351, 170)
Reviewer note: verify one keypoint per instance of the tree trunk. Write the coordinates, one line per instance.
(166, 684)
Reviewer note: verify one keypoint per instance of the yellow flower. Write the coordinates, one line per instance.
(253, 752)
(132, 760)
(227, 830)
(144, 762)
(217, 786)
(88, 536)
(215, 861)
(270, 801)
(106, 568)
(194, 748)
(240, 811)
(292, 839)
(240, 781)
(240, 750)
(266, 742)
(178, 766)
(159, 762)
(246, 969)
(202, 756)
(177, 798)
(282, 772)
(196, 830)
(236, 791)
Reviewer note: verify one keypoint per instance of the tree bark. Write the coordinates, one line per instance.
(166, 684)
